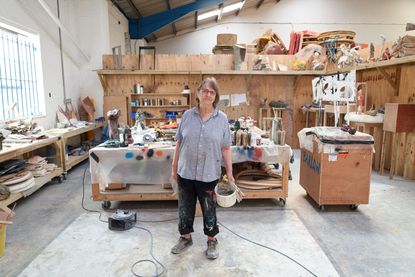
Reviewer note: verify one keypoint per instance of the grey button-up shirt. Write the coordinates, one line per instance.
(201, 143)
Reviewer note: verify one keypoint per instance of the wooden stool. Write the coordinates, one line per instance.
(317, 112)
(264, 113)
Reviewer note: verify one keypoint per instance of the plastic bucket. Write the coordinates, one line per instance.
(226, 201)
(2, 239)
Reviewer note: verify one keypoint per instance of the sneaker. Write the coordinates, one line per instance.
(181, 245)
(211, 252)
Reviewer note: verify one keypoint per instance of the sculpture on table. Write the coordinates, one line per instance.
(113, 124)
(360, 101)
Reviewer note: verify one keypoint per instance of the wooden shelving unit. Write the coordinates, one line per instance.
(11, 151)
(157, 104)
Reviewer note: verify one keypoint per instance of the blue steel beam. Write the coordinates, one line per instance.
(140, 28)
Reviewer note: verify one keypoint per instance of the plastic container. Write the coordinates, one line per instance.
(226, 201)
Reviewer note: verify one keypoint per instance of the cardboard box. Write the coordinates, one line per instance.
(5, 218)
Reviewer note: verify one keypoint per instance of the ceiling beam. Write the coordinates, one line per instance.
(259, 4)
(239, 10)
(114, 2)
(173, 25)
(137, 12)
(219, 16)
(142, 27)
(196, 14)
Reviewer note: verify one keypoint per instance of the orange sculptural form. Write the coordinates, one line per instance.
(360, 101)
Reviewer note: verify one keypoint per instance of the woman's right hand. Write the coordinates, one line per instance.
(173, 176)
(174, 172)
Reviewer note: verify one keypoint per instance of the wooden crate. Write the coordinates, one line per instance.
(342, 179)
(399, 118)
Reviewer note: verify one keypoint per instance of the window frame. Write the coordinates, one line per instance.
(34, 39)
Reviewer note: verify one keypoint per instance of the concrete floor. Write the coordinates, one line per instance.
(375, 240)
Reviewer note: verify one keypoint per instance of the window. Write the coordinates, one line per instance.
(21, 85)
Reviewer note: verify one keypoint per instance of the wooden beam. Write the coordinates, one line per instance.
(137, 12)
(239, 10)
(173, 25)
(219, 16)
(114, 2)
(259, 4)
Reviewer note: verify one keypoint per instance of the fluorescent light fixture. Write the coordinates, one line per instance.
(227, 9)
(233, 7)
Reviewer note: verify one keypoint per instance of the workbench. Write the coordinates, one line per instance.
(23, 150)
(67, 133)
(145, 171)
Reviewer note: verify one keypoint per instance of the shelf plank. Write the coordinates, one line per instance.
(74, 160)
(393, 62)
(224, 72)
(156, 94)
(71, 132)
(164, 106)
(13, 150)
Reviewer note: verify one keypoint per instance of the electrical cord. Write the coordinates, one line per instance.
(83, 198)
(164, 270)
(147, 260)
(269, 248)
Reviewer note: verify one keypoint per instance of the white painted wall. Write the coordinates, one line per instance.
(118, 25)
(368, 18)
(93, 26)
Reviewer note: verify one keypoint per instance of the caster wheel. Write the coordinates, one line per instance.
(354, 207)
(282, 202)
(106, 205)
(60, 179)
(322, 208)
(64, 175)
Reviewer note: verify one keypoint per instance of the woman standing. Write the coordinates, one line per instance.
(203, 139)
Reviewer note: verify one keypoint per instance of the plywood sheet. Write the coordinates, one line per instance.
(127, 62)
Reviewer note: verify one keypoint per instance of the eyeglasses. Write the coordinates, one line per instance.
(208, 92)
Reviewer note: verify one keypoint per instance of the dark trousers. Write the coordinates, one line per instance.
(189, 192)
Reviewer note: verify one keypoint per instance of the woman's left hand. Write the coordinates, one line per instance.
(231, 180)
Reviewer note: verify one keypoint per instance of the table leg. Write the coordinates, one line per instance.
(383, 154)
(395, 141)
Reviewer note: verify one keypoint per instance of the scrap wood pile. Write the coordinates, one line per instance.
(256, 176)
(18, 175)
(39, 166)
(270, 44)
(21, 131)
